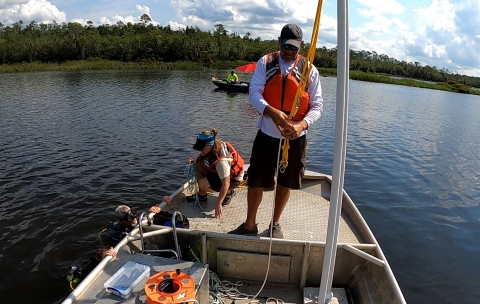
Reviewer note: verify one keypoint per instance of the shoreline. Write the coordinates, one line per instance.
(100, 64)
(449, 85)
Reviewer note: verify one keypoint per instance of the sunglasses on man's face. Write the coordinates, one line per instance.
(130, 216)
(289, 47)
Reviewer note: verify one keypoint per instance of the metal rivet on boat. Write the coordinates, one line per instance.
(162, 298)
(226, 264)
(185, 281)
(151, 286)
(166, 276)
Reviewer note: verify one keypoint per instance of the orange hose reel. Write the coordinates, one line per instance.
(170, 287)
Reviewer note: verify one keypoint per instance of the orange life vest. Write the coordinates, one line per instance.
(280, 90)
(236, 166)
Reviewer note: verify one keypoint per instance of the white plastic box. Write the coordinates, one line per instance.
(126, 278)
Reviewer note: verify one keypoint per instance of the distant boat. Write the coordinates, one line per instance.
(231, 87)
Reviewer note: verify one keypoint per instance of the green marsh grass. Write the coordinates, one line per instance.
(450, 85)
(100, 64)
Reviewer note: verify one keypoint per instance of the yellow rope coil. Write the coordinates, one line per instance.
(303, 81)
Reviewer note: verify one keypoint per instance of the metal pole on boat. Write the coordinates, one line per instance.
(177, 192)
(341, 121)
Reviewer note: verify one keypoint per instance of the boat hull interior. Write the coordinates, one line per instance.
(361, 273)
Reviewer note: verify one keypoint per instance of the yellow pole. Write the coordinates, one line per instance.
(303, 81)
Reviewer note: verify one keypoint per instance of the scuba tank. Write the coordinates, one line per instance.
(74, 275)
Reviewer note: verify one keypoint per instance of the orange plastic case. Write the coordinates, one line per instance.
(170, 287)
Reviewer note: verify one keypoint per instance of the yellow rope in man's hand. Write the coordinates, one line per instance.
(303, 82)
(284, 161)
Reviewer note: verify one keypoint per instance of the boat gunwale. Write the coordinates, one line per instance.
(159, 230)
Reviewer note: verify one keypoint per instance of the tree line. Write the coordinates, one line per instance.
(144, 42)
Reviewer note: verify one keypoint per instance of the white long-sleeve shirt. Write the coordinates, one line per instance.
(257, 85)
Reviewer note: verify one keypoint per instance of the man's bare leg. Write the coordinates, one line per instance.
(254, 198)
(281, 198)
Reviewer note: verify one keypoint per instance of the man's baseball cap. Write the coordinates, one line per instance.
(291, 34)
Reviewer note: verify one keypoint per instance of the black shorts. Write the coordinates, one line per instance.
(216, 183)
(263, 162)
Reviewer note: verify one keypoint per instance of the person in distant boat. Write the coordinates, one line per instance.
(272, 92)
(219, 169)
(232, 78)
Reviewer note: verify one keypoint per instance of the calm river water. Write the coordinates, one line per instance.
(74, 145)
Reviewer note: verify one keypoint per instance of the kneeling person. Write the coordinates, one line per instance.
(219, 168)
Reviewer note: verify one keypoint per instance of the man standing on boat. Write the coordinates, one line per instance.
(272, 91)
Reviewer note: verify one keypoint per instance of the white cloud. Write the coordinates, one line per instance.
(261, 18)
(379, 24)
(117, 18)
(433, 50)
(365, 12)
(9, 3)
(176, 26)
(43, 11)
(143, 9)
(443, 32)
(440, 34)
(383, 6)
(425, 34)
(406, 37)
(439, 17)
(399, 23)
(40, 11)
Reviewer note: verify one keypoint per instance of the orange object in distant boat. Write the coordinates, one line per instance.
(170, 287)
(247, 68)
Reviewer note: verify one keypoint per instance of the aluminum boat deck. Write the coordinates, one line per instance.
(305, 217)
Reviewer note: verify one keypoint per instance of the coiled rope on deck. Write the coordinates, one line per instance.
(223, 288)
(190, 172)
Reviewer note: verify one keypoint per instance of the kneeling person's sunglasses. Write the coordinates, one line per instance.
(289, 47)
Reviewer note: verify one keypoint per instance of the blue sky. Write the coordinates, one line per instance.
(440, 33)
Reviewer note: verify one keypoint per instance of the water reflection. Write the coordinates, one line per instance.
(76, 144)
